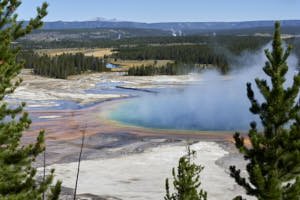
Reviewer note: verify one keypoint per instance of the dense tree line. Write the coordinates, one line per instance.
(237, 44)
(168, 69)
(201, 54)
(185, 56)
(62, 66)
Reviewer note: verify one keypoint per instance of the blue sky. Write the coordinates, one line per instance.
(165, 10)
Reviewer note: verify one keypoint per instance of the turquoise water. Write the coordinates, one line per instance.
(127, 114)
(112, 66)
(180, 111)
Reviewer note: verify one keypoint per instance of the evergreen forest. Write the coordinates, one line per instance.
(61, 66)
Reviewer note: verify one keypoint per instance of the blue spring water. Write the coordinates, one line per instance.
(187, 110)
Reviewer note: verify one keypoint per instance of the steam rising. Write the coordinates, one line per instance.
(215, 103)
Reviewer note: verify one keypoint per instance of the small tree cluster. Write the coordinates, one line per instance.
(62, 66)
(187, 181)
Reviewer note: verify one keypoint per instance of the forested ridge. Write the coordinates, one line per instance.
(61, 66)
(232, 42)
(188, 53)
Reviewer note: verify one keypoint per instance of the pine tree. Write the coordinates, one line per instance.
(273, 158)
(187, 181)
(17, 176)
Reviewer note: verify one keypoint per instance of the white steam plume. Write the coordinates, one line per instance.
(216, 103)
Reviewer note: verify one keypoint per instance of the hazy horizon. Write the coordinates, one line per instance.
(156, 11)
(119, 20)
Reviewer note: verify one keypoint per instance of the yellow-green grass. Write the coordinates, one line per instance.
(96, 52)
(126, 64)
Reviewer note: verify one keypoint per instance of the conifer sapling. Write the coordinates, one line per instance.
(17, 175)
(274, 156)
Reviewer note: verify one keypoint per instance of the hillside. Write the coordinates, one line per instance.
(175, 26)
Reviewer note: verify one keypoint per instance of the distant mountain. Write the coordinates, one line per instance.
(104, 19)
(93, 34)
(172, 26)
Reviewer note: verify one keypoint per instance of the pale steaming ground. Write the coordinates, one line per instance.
(40, 91)
(142, 176)
(37, 88)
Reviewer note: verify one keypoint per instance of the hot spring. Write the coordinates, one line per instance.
(192, 108)
(213, 103)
